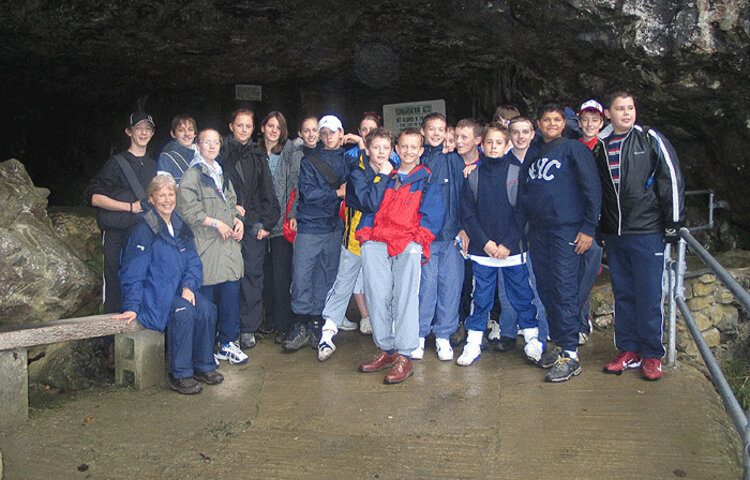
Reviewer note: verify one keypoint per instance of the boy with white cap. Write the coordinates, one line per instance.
(591, 121)
(315, 259)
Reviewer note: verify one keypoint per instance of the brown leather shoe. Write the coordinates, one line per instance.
(400, 371)
(380, 361)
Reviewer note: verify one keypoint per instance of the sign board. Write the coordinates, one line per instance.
(398, 116)
(253, 93)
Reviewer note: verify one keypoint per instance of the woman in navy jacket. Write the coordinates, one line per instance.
(160, 277)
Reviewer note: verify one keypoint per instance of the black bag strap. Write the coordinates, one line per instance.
(328, 174)
(549, 146)
(135, 185)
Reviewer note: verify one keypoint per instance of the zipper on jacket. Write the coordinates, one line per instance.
(622, 177)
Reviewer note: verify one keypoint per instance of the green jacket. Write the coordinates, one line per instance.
(198, 198)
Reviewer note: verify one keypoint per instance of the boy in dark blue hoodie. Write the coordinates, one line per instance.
(560, 193)
(497, 247)
(315, 259)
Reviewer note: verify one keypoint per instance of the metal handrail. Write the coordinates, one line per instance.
(712, 205)
(677, 296)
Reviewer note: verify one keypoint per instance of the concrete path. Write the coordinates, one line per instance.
(288, 416)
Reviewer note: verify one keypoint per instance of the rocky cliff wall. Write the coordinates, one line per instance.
(82, 66)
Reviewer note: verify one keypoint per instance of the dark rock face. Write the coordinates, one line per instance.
(89, 62)
(40, 277)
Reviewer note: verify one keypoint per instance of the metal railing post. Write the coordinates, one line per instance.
(681, 268)
(672, 328)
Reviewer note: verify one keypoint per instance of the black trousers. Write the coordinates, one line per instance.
(278, 271)
(113, 242)
(251, 284)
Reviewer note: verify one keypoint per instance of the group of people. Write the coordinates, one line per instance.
(222, 236)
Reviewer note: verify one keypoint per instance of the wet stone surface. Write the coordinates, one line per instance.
(290, 416)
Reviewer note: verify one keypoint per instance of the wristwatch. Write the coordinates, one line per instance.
(213, 223)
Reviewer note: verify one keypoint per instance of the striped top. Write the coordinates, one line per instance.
(614, 144)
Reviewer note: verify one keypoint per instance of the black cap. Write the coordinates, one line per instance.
(136, 117)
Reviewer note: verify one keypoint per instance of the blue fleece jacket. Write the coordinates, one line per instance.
(447, 175)
(175, 159)
(318, 207)
(156, 267)
(490, 216)
(561, 187)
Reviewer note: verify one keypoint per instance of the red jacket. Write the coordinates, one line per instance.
(396, 213)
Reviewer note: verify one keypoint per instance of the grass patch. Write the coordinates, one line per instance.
(737, 372)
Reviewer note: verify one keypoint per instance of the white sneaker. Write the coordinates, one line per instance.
(325, 349)
(471, 353)
(533, 350)
(444, 349)
(348, 326)
(231, 352)
(418, 353)
(494, 331)
(365, 327)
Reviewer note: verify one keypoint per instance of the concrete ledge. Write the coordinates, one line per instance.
(14, 388)
(139, 359)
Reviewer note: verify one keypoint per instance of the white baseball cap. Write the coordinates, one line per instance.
(591, 105)
(331, 122)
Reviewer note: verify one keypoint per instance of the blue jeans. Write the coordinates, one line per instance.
(226, 297)
(315, 261)
(191, 332)
(636, 263)
(440, 290)
(508, 320)
(392, 295)
(517, 289)
(592, 261)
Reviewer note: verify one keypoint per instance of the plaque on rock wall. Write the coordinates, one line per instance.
(253, 93)
(398, 116)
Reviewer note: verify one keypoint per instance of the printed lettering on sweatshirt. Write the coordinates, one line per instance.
(543, 169)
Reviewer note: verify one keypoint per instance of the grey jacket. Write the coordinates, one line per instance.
(286, 181)
(198, 198)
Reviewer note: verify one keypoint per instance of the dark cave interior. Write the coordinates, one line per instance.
(72, 70)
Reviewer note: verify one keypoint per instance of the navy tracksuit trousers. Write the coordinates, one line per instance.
(636, 263)
(558, 271)
(191, 333)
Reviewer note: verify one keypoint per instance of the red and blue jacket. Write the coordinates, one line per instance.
(396, 212)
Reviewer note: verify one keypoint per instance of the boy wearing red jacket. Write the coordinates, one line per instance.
(402, 214)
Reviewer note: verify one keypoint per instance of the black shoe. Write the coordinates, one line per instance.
(550, 357)
(211, 377)
(564, 369)
(505, 344)
(458, 336)
(316, 331)
(267, 328)
(247, 340)
(281, 336)
(299, 337)
(185, 386)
